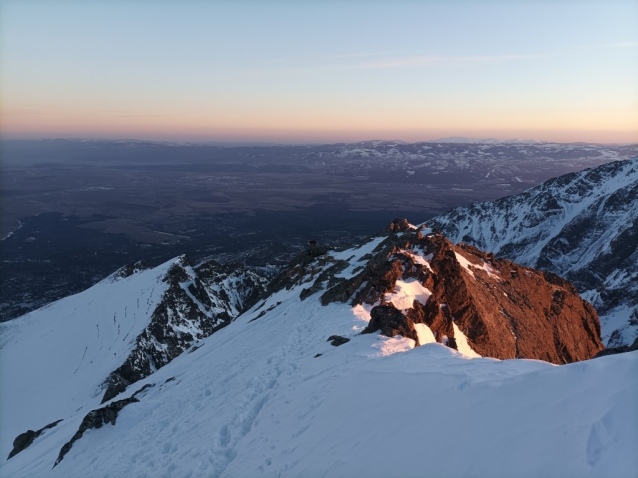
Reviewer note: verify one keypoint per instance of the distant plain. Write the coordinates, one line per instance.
(74, 211)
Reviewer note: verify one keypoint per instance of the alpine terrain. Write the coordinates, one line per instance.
(582, 226)
(404, 356)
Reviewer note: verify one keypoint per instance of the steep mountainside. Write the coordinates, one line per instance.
(355, 356)
(582, 226)
(83, 350)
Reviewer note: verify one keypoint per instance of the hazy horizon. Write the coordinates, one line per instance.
(317, 143)
(283, 73)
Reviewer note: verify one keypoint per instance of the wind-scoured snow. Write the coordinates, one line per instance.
(272, 397)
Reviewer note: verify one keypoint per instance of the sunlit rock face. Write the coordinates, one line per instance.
(582, 226)
(466, 298)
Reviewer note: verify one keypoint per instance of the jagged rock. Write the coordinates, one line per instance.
(25, 439)
(308, 263)
(618, 350)
(390, 322)
(259, 316)
(378, 271)
(504, 310)
(337, 340)
(200, 299)
(98, 418)
(398, 225)
(128, 270)
(309, 266)
(307, 292)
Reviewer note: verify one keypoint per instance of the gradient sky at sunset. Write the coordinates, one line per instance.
(319, 71)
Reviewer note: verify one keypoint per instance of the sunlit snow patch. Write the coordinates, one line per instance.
(418, 257)
(461, 343)
(406, 292)
(466, 265)
(425, 334)
(362, 312)
(392, 345)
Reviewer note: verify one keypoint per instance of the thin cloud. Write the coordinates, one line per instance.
(628, 44)
(140, 115)
(355, 55)
(426, 61)
(601, 46)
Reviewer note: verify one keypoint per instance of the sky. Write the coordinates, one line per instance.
(319, 72)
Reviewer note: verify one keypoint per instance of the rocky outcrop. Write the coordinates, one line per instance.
(305, 267)
(504, 310)
(618, 350)
(128, 270)
(24, 440)
(337, 340)
(199, 301)
(399, 225)
(390, 322)
(98, 418)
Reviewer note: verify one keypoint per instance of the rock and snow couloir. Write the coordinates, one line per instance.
(292, 386)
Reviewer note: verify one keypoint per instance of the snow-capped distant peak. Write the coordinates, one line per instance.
(461, 139)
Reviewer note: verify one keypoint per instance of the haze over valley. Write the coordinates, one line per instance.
(75, 210)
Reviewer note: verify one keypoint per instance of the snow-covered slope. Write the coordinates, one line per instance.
(582, 226)
(61, 359)
(269, 395)
(55, 359)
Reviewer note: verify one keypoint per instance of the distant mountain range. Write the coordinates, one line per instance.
(461, 139)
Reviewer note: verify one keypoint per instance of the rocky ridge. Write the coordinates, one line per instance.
(321, 317)
(463, 296)
(24, 440)
(582, 226)
(98, 418)
(199, 300)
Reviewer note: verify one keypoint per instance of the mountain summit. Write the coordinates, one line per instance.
(307, 379)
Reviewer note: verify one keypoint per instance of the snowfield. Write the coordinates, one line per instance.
(257, 399)
(54, 359)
